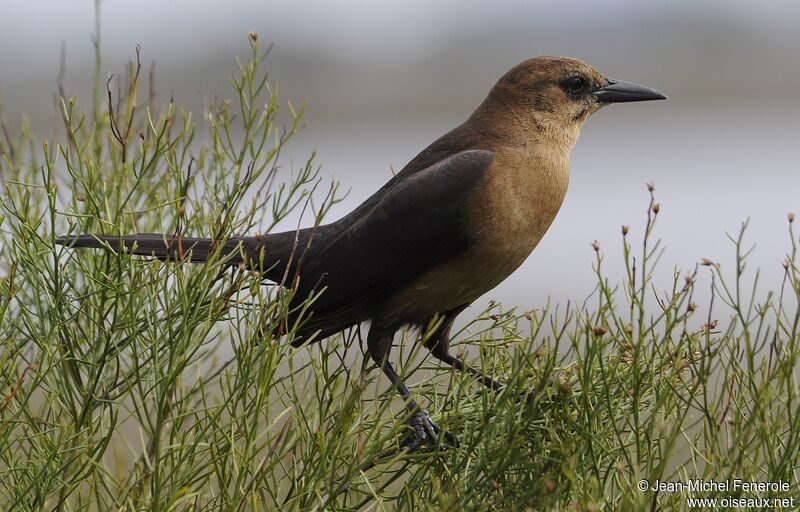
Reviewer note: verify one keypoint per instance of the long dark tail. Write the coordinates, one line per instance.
(269, 253)
(163, 247)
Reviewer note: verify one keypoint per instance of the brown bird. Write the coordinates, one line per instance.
(451, 225)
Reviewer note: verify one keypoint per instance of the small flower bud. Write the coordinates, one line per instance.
(706, 262)
(691, 307)
(786, 264)
(253, 36)
(651, 186)
(600, 330)
(656, 208)
(625, 230)
(790, 217)
(141, 134)
(596, 246)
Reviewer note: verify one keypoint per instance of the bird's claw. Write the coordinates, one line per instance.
(425, 431)
(527, 397)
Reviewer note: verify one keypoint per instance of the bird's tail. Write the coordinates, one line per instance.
(161, 246)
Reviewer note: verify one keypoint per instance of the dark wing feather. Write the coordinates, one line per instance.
(417, 223)
(457, 140)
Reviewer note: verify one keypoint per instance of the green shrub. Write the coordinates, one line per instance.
(130, 384)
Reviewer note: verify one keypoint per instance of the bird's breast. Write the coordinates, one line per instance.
(505, 219)
(511, 211)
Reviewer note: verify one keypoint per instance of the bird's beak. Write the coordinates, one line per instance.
(618, 91)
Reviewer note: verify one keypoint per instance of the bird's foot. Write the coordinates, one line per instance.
(527, 397)
(425, 431)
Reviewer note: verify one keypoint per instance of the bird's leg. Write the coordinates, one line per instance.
(379, 344)
(439, 345)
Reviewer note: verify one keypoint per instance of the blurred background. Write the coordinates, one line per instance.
(383, 80)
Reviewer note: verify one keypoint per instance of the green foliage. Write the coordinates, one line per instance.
(131, 384)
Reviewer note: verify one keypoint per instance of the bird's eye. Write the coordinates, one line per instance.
(575, 84)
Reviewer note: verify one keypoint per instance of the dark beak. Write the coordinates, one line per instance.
(618, 91)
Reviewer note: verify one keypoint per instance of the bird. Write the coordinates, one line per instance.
(451, 225)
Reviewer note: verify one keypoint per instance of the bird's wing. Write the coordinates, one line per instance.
(416, 224)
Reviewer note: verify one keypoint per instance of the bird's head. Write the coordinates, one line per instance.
(555, 95)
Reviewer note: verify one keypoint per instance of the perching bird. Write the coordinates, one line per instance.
(457, 220)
